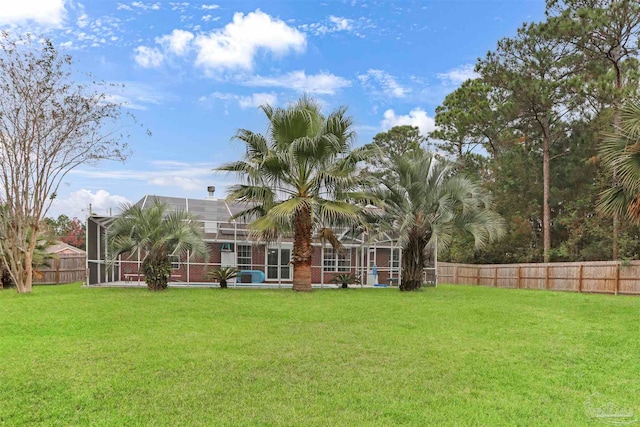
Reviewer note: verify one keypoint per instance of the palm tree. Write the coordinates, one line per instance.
(157, 233)
(346, 279)
(223, 274)
(424, 201)
(620, 152)
(299, 177)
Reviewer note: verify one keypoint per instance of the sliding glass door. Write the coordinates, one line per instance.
(278, 267)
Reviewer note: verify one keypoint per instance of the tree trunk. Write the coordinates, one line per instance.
(27, 286)
(156, 268)
(413, 261)
(617, 123)
(302, 276)
(23, 259)
(301, 256)
(345, 286)
(223, 284)
(546, 189)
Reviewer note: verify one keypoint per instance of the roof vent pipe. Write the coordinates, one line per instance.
(211, 189)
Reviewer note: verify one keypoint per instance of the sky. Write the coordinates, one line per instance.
(192, 73)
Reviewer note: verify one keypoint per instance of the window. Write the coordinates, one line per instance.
(175, 262)
(244, 257)
(337, 261)
(395, 258)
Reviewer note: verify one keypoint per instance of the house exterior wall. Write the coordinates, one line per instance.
(196, 270)
(218, 232)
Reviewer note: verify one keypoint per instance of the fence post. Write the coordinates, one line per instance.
(455, 274)
(478, 275)
(495, 276)
(519, 284)
(617, 282)
(580, 278)
(546, 276)
(58, 271)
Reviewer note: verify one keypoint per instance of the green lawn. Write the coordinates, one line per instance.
(448, 356)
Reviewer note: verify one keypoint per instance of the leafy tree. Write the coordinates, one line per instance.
(474, 115)
(302, 174)
(424, 201)
(393, 143)
(48, 126)
(75, 236)
(156, 232)
(606, 32)
(514, 182)
(66, 230)
(538, 72)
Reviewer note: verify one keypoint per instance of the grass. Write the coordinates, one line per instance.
(452, 355)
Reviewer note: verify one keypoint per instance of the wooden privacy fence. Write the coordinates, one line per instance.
(64, 269)
(609, 277)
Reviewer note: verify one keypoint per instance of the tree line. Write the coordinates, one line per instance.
(543, 127)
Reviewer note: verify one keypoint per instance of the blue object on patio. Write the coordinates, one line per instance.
(381, 285)
(257, 276)
(374, 272)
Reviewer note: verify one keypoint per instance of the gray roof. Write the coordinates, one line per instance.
(204, 209)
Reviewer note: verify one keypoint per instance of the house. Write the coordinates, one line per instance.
(230, 244)
(63, 249)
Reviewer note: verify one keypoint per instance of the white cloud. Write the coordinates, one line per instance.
(186, 176)
(321, 83)
(177, 42)
(122, 6)
(181, 6)
(333, 24)
(416, 117)
(83, 20)
(77, 203)
(210, 6)
(207, 18)
(386, 82)
(148, 57)
(235, 45)
(134, 95)
(341, 24)
(45, 12)
(251, 101)
(146, 6)
(457, 76)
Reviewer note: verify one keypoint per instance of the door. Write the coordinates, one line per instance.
(372, 268)
(278, 267)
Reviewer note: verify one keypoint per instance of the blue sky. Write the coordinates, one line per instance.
(194, 72)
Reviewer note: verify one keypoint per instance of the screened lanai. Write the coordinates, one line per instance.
(376, 263)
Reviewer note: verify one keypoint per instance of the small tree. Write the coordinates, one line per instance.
(48, 125)
(223, 274)
(156, 233)
(345, 280)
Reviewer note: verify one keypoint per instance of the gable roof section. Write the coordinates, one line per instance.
(60, 247)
